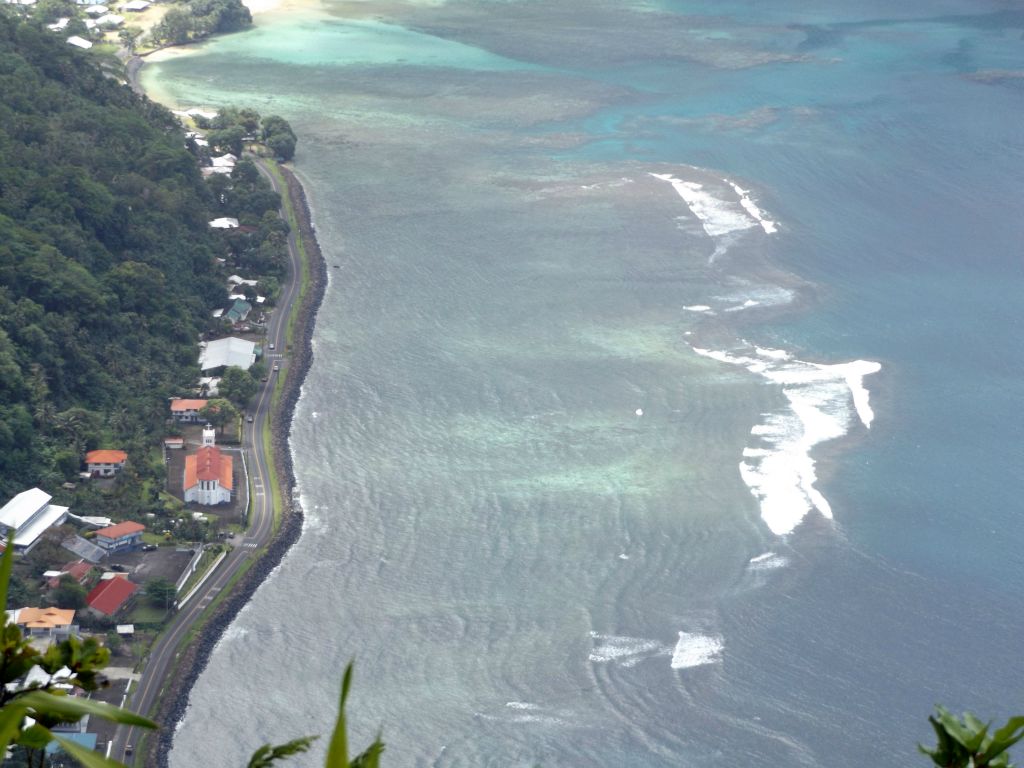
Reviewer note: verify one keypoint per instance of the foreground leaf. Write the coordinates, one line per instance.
(74, 707)
(267, 754)
(87, 757)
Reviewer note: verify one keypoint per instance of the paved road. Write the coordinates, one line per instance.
(246, 546)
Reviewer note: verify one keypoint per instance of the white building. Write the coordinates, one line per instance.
(227, 353)
(79, 42)
(208, 473)
(224, 222)
(29, 515)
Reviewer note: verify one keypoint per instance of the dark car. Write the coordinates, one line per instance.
(149, 547)
(118, 567)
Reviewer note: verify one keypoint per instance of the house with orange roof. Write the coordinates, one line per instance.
(105, 462)
(115, 538)
(45, 622)
(186, 410)
(110, 595)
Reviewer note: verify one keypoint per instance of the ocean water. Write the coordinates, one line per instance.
(666, 402)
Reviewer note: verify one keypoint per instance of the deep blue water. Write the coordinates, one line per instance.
(506, 548)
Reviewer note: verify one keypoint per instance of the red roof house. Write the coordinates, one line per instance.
(187, 410)
(104, 462)
(110, 595)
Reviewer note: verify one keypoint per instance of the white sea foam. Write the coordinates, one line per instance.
(769, 226)
(520, 705)
(624, 651)
(718, 217)
(823, 403)
(694, 650)
(698, 308)
(769, 561)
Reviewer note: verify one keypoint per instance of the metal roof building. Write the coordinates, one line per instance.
(224, 353)
(29, 514)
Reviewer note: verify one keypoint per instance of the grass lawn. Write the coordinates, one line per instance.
(144, 613)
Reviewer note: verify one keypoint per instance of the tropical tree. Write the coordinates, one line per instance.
(237, 385)
(68, 593)
(161, 592)
(219, 412)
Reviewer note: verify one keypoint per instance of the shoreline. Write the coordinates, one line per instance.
(174, 699)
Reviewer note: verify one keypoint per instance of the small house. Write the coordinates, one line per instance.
(186, 410)
(105, 462)
(110, 595)
(115, 538)
(45, 622)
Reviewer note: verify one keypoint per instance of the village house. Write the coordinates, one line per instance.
(224, 222)
(239, 311)
(29, 515)
(79, 571)
(105, 462)
(126, 535)
(174, 443)
(55, 623)
(222, 164)
(79, 42)
(187, 410)
(208, 473)
(227, 353)
(110, 595)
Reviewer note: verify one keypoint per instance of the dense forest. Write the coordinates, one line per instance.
(107, 264)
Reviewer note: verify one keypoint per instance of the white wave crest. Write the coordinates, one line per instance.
(624, 651)
(718, 217)
(769, 561)
(694, 650)
(823, 400)
(769, 226)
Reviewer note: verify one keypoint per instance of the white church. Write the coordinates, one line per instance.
(208, 473)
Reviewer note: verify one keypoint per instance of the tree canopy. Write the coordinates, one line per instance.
(107, 265)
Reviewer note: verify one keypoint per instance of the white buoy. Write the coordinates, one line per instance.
(639, 411)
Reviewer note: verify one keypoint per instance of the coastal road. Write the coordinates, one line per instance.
(247, 546)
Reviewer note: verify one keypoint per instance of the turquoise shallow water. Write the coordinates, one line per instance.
(525, 568)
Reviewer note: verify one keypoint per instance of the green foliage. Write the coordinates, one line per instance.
(107, 270)
(68, 593)
(238, 386)
(967, 743)
(219, 412)
(267, 755)
(161, 592)
(198, 19)
(279, 137)
(337, 750)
